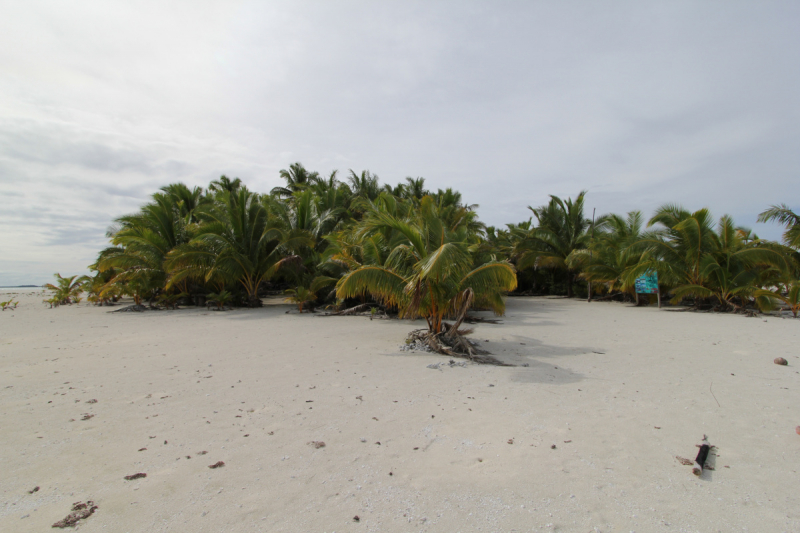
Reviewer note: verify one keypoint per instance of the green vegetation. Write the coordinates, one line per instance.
(66, 291)
(10, 304)
(425, 265)
(359, 244)
(220, 299)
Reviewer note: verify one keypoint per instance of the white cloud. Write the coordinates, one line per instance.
(101, 103)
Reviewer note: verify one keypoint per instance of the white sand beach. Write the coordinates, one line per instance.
(584, 438)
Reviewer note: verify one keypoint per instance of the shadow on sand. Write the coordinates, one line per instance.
(520, 350)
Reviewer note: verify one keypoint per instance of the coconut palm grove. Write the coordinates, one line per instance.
(355, 244)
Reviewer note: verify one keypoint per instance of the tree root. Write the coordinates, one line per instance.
(454, 345)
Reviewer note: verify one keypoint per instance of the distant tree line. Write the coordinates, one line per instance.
(322, 240)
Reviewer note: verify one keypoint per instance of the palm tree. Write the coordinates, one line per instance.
(305, 297)
(615, 249)
(236, 243)
(187, 200)
(364, 185)
(415, 188)
(562, 229)
(791, 297)
(791, 220)
(429, 273)
(141, 243)
(225, 184)
(67, 289)
(297, 178)
(100, 291)
(220, 299)
(688, 255)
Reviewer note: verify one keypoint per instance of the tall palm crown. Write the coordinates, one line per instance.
(791, 220)
(297, 178)
(562, 229)
(415, 188)
(225, 184)
(364, 185)
(187, 200)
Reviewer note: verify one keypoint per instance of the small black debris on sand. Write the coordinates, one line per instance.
(87, 416)
(218, 464)
(511, 441)
(91, 401)
(135, 476)
(202, 453)
(356, 519)
(317, 444)
(80, 511)
(34, 489)
(553, 447)
(142, 450)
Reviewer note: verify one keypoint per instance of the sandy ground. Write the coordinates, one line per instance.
(584, 438)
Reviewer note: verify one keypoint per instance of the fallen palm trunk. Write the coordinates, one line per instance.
(453, 343)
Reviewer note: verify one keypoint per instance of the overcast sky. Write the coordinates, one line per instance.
(641, 103)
